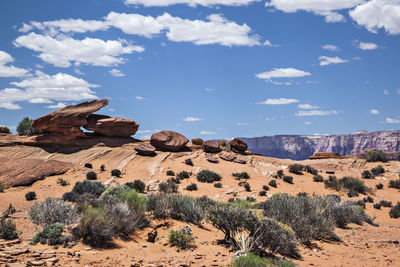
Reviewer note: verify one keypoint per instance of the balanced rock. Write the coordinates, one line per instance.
(67, 121)
(168, 140)
(238, 145)
(111, 126)
(197, 141)
(228, 157)
(145, 149)
(211, 158)
(211, 147)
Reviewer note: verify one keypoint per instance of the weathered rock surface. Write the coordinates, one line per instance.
(111, 126)
(300, 147)
(197, 141)
(23, 172)
(326, 155)
(238, 145)
(211, 147)
(145, 149)
(211, 158)
(227, 157)
(240, 161)
(169, 141)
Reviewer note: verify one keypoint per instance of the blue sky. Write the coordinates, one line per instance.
(206, 68)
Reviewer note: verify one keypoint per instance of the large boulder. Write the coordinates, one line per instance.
(145, 149)
(211, 147)
(211, 158)
(238, 146)
(111, 126)
(197, 141)
(67, 121)
(169, 140)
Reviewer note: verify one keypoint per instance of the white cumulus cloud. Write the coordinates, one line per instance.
(282, 73)
(207, 133)
(116, 73)
(303, 113)
(7, 70)
(330, 47)
(392, 121)
(140, 98)
(367, 46)
(191, 119)
(57, 106)
(307, 106)
(324, 60)
(278, 101)
(191, 3)
(374, 111)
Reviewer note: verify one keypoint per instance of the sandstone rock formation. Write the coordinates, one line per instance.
(227, 157)
(238, 146)
(326, 155)
(240, 161)
(111, 126)
(300, 147)
(211, 147)
(211, 158)
(169, 141)
(197, 141)
(145, 149)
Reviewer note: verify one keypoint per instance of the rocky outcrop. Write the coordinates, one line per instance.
(227, 157)
(145, 149)
(211, 158)
(111, 126)
(300, 147)
(238, 146)
(211, 147)
(169, 141)
(197, 141)
(326, 155)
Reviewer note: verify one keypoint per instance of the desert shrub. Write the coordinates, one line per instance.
(373, 156)
(51, 235)
(272, 183)
(311, 170)
(354, 185)
(126, 217)
(168, 187)
(251, 199)
(302, 194)
(288, 179)
(262, 193)
(84, 192)
(308, 217)
(241, 175)
(394, 184)
(395, 211)
(247, 187)
(189, 162)
(386, 204)
(367, 174)
(368, 199)
(137, 185)
(62, 182)
(52, 211)
(207, 176)
(192, 187)
(30, 196)
(170, 173)
(252, 260)
(95, 227)
(378, 170)
(4, 129)
(352, 193)
(102, 167)
(279, 173)
(116, 173)
(180, 239)
(183, 175)
(10, 210)
(8, 230)
(379, 186)
(247, 203)
(158, 206)
(318, 178)
(25, 127)
(2, 187)
(349, 212)
(218, 185)
(88, 165)
(296, 168)
(91, 176)
(265, 187)
(377, 206)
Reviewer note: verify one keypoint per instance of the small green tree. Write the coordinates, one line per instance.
(4, 129)
(375, 155)
(25, 127)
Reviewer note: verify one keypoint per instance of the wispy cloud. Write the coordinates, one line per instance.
(207, 133)
(140, 98)
(330, 47)
(192, 119)
(282, 73)
(116, 73)
(307, 106)
(303, 113)
(324, 60)
(374, 111)
(365, 45)
(278, 101)
(392, 121)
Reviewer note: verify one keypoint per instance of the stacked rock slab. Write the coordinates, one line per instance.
(169, 141)
(111, 126)
(211, 147)
(238, 146)
(145, 149)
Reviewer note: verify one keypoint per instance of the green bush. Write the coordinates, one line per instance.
(170, 173)
(30, 196)
(62, 182)
(246, 186)
(378, 170)
(318, 178)
(189, 162)
(85, 192)
(52, 211)
(2, 187)
(241, 175)
(368, 199)
(102, 167)
(386, 204)
(218, 185)
(377, 206)
(10, 210)
(192, 187)
(262, 193)
(8, 230)
(51, 235)
(91, 176)
(183, 175)
(4, 129)
(180, 239)
(265, 187)
(353, 185)
(252, 260)
(394, 184)
(311, 170)
(137, 185)
(25, 127)
(288, 179)
(272, 183)
(395, 211)
(207, 176)
(373, 156)
(380, 186)
(296, 168)
(279, 174)
(168, 187)
(88, 165)
(116, 173)
(349, 212)
(367, 175)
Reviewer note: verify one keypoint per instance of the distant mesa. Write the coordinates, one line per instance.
(169, 141)
(211, 147)
(66, 123)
